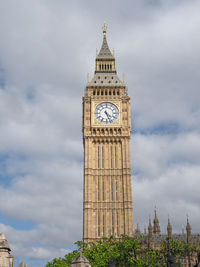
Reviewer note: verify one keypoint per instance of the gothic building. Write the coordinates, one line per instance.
(107, 206)
(6, 259)
(153, 238)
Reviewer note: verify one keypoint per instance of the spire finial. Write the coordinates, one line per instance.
(104, 28)
(155, 209)
(88, 77)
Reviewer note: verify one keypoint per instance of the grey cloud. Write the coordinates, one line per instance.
(46, 49)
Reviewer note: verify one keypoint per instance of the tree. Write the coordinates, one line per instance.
(127, 251)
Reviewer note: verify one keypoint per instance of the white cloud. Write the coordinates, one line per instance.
(46, 49)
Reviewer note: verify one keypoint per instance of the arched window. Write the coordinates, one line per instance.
(98, 223)
(116, 189)
(117, 223)
(102, 157)
(116, 156)
(98, 157)
(98, 188)
(103, 225)
(112, 223)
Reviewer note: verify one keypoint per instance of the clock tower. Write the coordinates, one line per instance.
(107, 203)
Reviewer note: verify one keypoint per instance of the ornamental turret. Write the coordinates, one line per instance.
(105, 60)
(188, 230)
(156, 226)
(150, 235)
(169, 228)
(137, 230)
(6, 259)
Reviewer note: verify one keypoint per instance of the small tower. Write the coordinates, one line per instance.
(156, 226)
(188, 230)
(145, 230)
(6, 259)
(80, 261)
(105, 60)
(23, 264)
(169, 228)
(137, 230)
(150, 235)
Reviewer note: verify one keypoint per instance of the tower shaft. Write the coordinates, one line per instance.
(107, 206)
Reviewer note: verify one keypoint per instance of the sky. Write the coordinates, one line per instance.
(47, 47)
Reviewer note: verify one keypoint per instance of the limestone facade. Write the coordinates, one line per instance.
(106, 127)
(6, 259)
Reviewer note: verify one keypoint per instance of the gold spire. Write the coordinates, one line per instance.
(104, 28)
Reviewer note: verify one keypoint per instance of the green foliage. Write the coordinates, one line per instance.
(63, 262)
(127, 252)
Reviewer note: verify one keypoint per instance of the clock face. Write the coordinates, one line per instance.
(106, 113)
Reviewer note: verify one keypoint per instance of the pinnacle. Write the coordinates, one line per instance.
(105, 50)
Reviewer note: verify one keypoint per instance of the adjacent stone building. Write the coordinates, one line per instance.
(80, 261)
(6, 259)
(153, 238)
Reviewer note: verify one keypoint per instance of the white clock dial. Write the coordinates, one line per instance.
(106, 112)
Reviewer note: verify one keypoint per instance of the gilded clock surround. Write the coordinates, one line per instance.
(107, 205)
(95, 122)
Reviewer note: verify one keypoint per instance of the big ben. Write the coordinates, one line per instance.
(107, 196)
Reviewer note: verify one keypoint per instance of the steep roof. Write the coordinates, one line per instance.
(4, 242)
(23, 264)
(80, 258)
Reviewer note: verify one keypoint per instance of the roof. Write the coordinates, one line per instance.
(23, 264)
(105, 50)
(3, 242)
(105, 79)
(80, 258)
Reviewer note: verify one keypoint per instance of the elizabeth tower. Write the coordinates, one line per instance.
(107, 203)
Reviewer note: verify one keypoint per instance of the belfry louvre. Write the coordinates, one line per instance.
(107, 203)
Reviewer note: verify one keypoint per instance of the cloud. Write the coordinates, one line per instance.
(46, 49)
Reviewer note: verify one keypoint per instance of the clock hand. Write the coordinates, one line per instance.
(108, 115)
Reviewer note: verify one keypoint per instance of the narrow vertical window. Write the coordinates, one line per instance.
(98, 157)
(116, 157)
(126, 189)
(116, 189)
(111, 159)
(102, 189)
(117, 224)
(103, 225)
(98, 223)
(98, 189)
(111, 189)
(112, 223)
(102, 157)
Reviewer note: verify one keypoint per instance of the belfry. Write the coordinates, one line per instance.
(106, 127)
